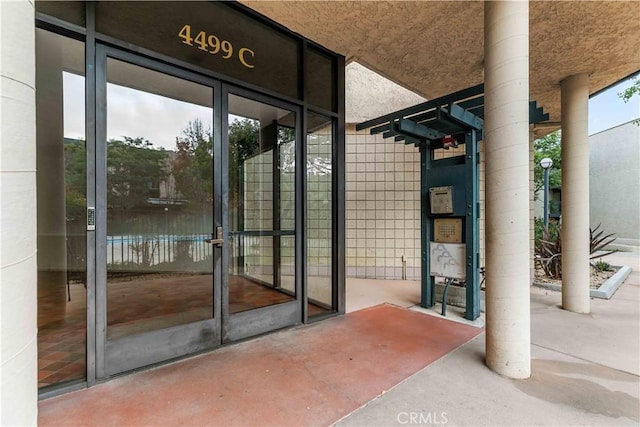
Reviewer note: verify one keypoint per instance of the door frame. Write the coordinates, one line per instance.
(249, 323)
(131, 352)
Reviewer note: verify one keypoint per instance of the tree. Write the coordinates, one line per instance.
(192, 166)
(628, 93)
(75, 158)
(244, 142)
(134, 168)
(547, 146)
(634, 89)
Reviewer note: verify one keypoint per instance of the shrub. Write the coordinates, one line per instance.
(548, 247)
(602, 266)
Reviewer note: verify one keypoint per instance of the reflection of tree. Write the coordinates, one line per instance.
(134, 170)
(192, 167)
(75, 180)
(244, 142)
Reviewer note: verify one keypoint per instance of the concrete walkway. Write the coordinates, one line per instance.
(311, 375)
(585, 372)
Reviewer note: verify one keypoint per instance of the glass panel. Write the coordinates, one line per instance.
(261, 204)
(61, 195)
(212, 35)
(319, 214)
(159, 200)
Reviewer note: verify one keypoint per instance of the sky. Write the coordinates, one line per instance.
(160, 120)
(132, 113)
(607, 109)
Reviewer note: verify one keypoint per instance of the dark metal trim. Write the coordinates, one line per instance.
(449, 114)
(323, 316)
(265, 233)
(464, 117)
(261, 320)
(427, 294)
(446, 99)
(101, 209)
(472, 225)
(64, 388)
(339, 190)
(220, 204)
(59, 26)
(301, 213)
(140, 350)
(415, 130)
(302, 198)
(275, 205)
(223, 162)
(90, 138)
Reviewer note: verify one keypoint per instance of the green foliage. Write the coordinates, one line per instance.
(634, 89)
(598, 242)
(75, 184)
(628, 93)
(602, 266)
(548, 247)
(134, 168)
(547, 146)
(192, 166)
(244, 142)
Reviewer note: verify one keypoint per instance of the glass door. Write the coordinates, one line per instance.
(158, 213)
(261, 290)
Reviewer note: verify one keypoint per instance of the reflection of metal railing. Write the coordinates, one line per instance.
(153, 250)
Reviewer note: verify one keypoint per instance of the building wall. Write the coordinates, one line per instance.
(383, 206)
(18, 310)
(614, 179)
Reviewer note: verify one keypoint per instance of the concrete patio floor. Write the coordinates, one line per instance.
(585, 371)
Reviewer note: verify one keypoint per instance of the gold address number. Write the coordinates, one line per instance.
(212, 44)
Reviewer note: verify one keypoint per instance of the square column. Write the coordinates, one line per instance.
(506, 53)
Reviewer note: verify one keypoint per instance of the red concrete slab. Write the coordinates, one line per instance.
(312, 375)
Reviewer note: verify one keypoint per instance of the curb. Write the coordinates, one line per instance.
(605, 291)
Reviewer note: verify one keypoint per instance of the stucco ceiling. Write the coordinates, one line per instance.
(434, 48)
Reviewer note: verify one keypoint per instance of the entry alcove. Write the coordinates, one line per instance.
(145, 209)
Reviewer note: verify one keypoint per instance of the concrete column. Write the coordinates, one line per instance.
(506, 55)
(575, 194)
(18, 306)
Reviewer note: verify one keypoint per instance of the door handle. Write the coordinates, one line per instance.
(218, 238)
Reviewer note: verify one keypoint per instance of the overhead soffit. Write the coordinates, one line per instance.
(435, 48)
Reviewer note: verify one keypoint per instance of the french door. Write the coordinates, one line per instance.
(195, 213)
